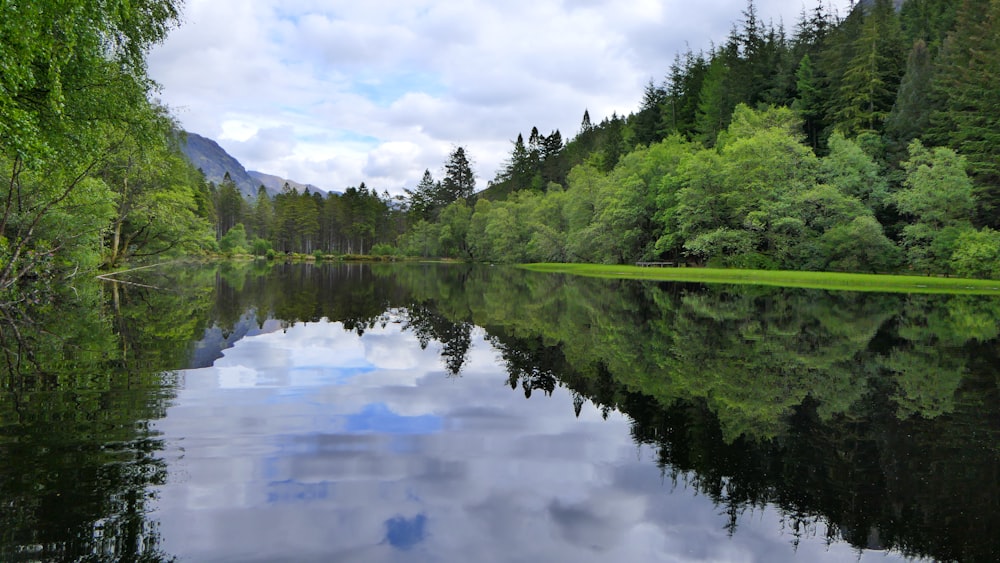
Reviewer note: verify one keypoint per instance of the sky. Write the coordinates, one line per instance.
(336, 93)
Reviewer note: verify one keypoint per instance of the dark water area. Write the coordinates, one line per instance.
(417, 412)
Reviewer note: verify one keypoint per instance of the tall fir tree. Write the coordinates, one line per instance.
(808, 101)
(646, 123)
(868, 89)
(910, 115)
(967, 85)
(714, 102)
(459, 181)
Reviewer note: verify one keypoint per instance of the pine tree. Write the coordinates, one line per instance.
(868, 89)
(687, 75)
(967, 84)
(646, 123)
(808, 101)
(910, 115)
(422, 199)
(459, 180)
(927, 20)
(714, 103)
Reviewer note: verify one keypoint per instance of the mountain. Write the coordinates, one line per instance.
(214, 162)
(274, 184)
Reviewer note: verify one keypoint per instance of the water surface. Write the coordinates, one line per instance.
(417, 413)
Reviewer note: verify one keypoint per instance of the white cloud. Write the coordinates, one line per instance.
(271, 79)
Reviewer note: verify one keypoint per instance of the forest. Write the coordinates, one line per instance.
(865, 142)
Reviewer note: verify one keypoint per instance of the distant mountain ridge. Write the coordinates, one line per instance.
(274, 184)
(206, 155)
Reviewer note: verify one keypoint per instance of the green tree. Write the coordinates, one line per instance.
(422, 201)
(156, 199)
(230, 208)
(910, 115)
(459, 181)
(646, 123)
(977, 254)
(454, 224)
(234, 241)
(937, 194)
(73, 78)
(262, 220)
(853, 172)
(967, 82)
(868, 89)
(808, 101)
(714, 102)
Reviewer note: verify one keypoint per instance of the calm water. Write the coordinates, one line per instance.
(271, 412)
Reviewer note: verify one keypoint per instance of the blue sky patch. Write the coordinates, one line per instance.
(404, 533)
(378, 418)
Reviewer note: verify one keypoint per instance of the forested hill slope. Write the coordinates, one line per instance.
(868, 141)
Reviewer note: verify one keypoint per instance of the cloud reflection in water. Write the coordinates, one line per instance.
(317, 444)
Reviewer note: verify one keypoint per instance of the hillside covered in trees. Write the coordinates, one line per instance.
(867, 142)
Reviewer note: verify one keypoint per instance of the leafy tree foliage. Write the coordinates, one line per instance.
(83, 151)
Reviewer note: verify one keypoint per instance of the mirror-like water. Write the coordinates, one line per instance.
(417, 413)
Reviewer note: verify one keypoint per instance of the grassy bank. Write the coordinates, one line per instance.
(782, 278)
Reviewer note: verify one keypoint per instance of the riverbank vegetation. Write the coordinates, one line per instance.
(781, 278)
(90, 174)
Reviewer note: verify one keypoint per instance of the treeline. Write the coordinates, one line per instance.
(305, 222)
(358, 221)
(863, 143)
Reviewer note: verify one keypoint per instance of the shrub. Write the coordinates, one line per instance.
(384, 249)
(260, 247)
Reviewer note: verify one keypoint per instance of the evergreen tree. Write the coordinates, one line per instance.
(928, 21)
(518, 170)
(459, 180)
(868, 89)
(808, 101)
(229, 206)
(832, 60)
(687, 75)
(423, 199)
(910, 115)
(646, 123)
(967, 85)
(263, 214)
(551, 165)
(714, 103)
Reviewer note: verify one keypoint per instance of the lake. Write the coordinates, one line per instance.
(418, 412)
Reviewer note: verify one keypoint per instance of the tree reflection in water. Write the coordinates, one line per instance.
(877, 416)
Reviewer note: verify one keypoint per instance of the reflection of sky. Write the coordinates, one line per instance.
(314, 444)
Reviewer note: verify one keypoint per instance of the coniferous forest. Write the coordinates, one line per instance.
(867, 141)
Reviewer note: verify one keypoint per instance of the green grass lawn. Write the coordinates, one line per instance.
(780, 278)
